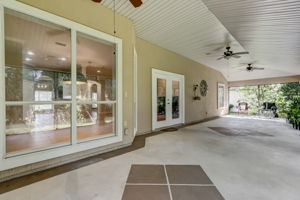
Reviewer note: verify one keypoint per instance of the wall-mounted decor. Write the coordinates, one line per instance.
(221, 95)
(196, 96)
(203, 88)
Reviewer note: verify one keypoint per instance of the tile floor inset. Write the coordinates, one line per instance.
(187, 174)
(154, 174)
(195, 193)
(165, 182)
(146, 192)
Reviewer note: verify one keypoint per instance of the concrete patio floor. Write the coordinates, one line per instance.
(241, 167)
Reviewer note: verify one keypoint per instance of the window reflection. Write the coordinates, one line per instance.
(95, 70)
(95, 120)
(36, 126)
(37, 58)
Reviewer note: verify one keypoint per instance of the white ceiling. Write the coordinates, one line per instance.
(269, 31)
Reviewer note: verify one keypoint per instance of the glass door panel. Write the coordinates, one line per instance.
(175, 99)
(161, 99)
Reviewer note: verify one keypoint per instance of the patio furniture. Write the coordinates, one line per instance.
(269, 107)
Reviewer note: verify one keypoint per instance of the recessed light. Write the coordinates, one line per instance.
(30, 53)
(28, 59)
(98, 71)
(63, 59)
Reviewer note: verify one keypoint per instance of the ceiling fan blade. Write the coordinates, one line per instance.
(235, 56)
(220, 58)
(136, 3)
(97, 1)
(240, 53)
(258, 68)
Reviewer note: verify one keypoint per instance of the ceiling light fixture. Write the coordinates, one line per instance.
(63, 59)
(98, 71)
(30, 53)
(28, 59)
(80, 78)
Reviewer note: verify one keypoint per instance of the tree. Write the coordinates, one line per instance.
(290, 90)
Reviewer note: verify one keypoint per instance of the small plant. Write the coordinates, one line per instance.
(230, 107)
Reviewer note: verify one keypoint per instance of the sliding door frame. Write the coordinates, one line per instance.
(12, 161)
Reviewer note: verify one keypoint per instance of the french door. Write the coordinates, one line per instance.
(167, 99)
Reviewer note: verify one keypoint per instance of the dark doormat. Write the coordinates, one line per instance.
(239, 132)
(172, 129)
(165, 182)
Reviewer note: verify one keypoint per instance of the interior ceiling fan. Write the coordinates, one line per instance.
(250, 68)
(228, 54)
(135, 3)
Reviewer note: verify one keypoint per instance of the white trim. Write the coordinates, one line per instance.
(168, 183)
(135, 90)
(172, 184)
(74, 87)
(56, 102)
(169, 76)
(33, 157)
(2, 86)
(222, 85)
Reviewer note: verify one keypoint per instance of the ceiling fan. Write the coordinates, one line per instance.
(228, 54)
(250, 68)
(135, 3)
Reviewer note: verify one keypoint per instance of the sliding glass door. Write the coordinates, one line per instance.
(62, 86)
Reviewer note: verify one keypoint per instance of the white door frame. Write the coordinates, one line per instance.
(168, 75)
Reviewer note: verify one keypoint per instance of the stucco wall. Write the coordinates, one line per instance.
(152, 56)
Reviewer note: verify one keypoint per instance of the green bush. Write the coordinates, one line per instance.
(293, 110)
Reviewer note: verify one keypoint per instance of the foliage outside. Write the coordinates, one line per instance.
(282, 94)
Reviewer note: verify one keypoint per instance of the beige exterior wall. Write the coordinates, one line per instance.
(152, 56)
(149, 56)
(285, 79)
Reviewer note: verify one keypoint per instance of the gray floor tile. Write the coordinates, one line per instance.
(147, 174)
(146, 192)
(187, 174)
(195, 193)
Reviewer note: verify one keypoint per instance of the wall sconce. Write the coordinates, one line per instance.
(196, 97)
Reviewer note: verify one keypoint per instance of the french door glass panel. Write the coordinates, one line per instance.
(161, 99)
(168, 100)
(175, 99)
